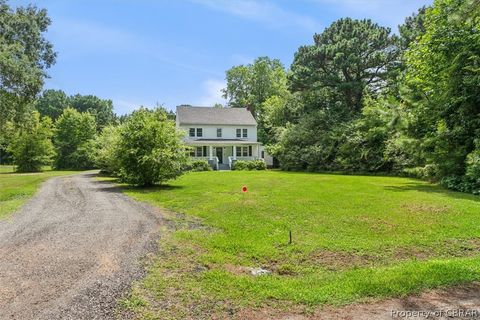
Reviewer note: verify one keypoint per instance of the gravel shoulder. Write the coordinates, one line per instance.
(73, 250)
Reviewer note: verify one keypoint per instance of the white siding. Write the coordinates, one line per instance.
(228, 132)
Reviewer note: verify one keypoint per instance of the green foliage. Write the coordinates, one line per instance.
(443, 76)
(101, 109)
(241, 165)
(197, 166)
(150, 149)
(52, 103)
(31, 145)
(363, 144)
(364, 101)
(347, 58)
(74, 140)
(25, 55)
(252, 85)
(106, 149)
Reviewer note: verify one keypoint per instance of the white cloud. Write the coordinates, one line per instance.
(262, 11)
(213, 93)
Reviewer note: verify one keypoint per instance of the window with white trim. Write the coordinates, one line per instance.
(219, 132)
(199, 132)
(191, 132)
(239, 133)
(244, 151)
(245, 133)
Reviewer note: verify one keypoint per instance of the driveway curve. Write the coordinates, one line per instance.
(73, 250)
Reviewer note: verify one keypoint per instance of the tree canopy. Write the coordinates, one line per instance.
(25, 55)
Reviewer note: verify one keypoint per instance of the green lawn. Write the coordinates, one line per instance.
(354, 238)
(16, 188)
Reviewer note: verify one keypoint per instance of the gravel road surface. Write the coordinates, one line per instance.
(73, 250)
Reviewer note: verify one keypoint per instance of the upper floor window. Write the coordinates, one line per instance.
(239, 133)
(245, 133)
(199, 132)
(219, 132)
(191, 132)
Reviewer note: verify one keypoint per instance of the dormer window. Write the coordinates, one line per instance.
(245, 133)
(199, 132)
(191, 132)
(219, 132)
(239, 133)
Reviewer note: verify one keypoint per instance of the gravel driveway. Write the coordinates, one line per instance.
(73, 250)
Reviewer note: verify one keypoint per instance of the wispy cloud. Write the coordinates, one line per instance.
(263, 12)
(86, 38)
(213, 92)
(89, 36)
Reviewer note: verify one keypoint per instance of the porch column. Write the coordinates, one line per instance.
(234, 152)
(210, 152)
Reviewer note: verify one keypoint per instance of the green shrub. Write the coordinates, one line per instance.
(31, 145)
(461, 183)
(241, 165)
(428, 172)
(198, 165)
(473, 166)
(106, 148)
(150, 149)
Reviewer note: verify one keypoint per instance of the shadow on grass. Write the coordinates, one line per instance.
(116, 186)
(432, 188)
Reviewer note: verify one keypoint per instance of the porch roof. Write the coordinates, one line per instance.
(220, 142)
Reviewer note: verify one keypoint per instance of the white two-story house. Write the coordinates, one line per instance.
(220, 135)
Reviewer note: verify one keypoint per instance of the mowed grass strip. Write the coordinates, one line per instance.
(17, 188)
(354, 237)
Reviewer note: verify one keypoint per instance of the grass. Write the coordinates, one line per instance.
(17, 188)
(354, 238)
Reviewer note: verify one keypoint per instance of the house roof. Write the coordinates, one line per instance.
(209, 115)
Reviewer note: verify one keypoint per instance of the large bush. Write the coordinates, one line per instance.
(73, 140)
(150, 149)
(31, 145)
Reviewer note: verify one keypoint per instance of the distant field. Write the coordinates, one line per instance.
(354, 238)
(16, 188)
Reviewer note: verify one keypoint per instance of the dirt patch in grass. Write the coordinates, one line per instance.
(425, 208)
(464, 298)
(340, 260)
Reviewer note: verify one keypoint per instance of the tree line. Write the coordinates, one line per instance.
(358, 99)
(362, 99)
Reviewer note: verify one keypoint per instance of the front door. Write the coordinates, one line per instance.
(219, 154)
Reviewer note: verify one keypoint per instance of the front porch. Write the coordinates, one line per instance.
(221, 155)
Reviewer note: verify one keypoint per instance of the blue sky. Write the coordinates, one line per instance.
(144, 52)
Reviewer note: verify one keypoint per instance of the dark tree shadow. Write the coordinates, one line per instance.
(115, 186)
(432, 188)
